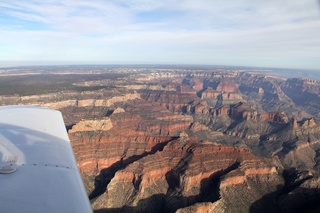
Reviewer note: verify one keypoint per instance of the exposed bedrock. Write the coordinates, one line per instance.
(167, 140)
(142, 160)
(181, 175)
(304, 92)
(99, 143)
(174, 101)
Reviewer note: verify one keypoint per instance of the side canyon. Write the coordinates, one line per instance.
(182, 140)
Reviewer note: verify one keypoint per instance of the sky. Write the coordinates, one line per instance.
(272, 33)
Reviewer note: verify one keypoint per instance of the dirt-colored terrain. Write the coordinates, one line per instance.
(177, 140)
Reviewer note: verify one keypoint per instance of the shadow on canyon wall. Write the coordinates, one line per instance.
(105, 176)
(172, 201)
(291, 197)
(305, 200)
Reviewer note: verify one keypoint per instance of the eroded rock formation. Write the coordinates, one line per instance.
(215, 141)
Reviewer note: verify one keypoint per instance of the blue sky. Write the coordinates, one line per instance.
(269, 33)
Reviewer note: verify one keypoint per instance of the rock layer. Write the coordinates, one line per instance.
(166, 140)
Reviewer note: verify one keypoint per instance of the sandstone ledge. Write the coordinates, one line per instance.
(92, 125)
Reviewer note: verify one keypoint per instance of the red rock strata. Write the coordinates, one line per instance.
(137, 158)
(182, 174)
(141, 142)
(123, 134)
(226, 86)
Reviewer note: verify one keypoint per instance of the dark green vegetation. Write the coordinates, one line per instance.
(47, 83)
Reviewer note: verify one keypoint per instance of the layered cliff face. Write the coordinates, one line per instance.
(304, 93)
(242, 187)
(186, 141)
(138, 160)
(131, 130)
(130, 166)
(173, 101)
(267, 93)
(185, 173)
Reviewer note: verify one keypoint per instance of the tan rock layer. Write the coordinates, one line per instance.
(92, 125)
(92, 102)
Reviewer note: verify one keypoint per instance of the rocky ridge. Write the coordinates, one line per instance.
(184, 141)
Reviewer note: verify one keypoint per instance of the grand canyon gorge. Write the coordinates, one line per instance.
(183, 139)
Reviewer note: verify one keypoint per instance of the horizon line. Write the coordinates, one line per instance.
(53, 63)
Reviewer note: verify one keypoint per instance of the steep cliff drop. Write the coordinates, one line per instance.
(166, 140)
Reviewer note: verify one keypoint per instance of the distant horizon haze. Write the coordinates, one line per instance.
(10, 64)
(267, 71)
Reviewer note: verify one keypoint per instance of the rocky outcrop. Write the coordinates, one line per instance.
(200, 207)
(210, 94)
(196, 84)
(225, 93)
(305, 93)
(127, 131)
(268, 94)
(226, 87)
(224, 110)
(229, 98)
(244, 111)
(92, 126)
(71, 99)
(118, 110)
(173, 101)
(166, 140)
(179, 176)
(308, 123)
(186, 89)
(94, 102)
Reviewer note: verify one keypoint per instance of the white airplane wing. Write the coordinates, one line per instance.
(38, 171)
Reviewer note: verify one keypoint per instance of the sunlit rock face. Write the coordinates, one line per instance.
(192, 141)
(171, 173)
(137, 157)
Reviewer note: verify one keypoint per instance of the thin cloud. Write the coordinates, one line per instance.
(161, 31)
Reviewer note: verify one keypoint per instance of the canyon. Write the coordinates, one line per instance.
(189, 140)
